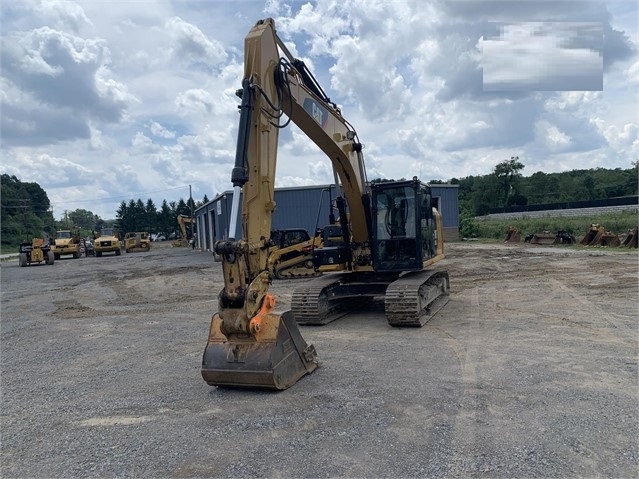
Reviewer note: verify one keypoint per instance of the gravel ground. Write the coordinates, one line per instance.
(529, 371)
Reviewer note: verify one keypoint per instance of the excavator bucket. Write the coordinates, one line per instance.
(609, 239)
(274, 358)
(513, 235)
(563, 237)
(631, 239)
(545, 238)
(593, 236)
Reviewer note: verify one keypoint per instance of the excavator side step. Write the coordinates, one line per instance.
(275, 363)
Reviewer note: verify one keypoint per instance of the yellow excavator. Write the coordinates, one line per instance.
(183, 240)
(387, 237)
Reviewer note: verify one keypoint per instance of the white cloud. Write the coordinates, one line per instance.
(160, 131)
(551, 137)
(143, 99)
(65, 14)
(190, 45)
(632, 73)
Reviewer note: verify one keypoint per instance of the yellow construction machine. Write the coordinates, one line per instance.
(35, 252)
(291, 255)
(389, 233)
(183, 240)
(138, 241)
(66, 242)
(106, 241)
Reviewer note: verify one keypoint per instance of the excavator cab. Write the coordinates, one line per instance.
(403, 226)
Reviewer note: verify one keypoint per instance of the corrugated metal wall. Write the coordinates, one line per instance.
(448, 203)
(449, 209)
(298, 208)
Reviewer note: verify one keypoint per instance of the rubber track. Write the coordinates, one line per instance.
(414, 298)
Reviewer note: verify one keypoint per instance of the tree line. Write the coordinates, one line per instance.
(506, 186)
(140, 216)
(26, 213)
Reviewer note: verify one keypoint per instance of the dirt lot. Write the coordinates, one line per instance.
(529, 371)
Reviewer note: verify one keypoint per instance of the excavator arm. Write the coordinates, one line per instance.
(274, 87)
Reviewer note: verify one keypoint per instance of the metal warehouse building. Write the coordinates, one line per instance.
(305, 207)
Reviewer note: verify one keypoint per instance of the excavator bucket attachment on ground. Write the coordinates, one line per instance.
(609, 239)
(545, 238)
(593, 236)
(513, 235)
(563, 237)
(275, 358)
(631, 239)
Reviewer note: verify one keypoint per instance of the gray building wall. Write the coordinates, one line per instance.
(299, 207)
(447, 197)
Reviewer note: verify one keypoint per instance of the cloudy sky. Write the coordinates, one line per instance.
(104, 101)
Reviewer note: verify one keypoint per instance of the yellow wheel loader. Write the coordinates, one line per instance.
(389, 235)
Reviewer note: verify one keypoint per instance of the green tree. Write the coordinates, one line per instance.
(151, 216)
(508, 174)
(24, 211)
(82, 219)
(485, 194)
(167, 220)
(141, 218)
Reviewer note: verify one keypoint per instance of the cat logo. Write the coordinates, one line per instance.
(319, 114)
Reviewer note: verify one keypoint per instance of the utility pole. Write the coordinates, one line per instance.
(192, 218)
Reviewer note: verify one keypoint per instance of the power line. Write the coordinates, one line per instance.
(130, 195)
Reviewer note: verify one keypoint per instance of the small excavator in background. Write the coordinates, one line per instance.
(183, 240)
(388, 237)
